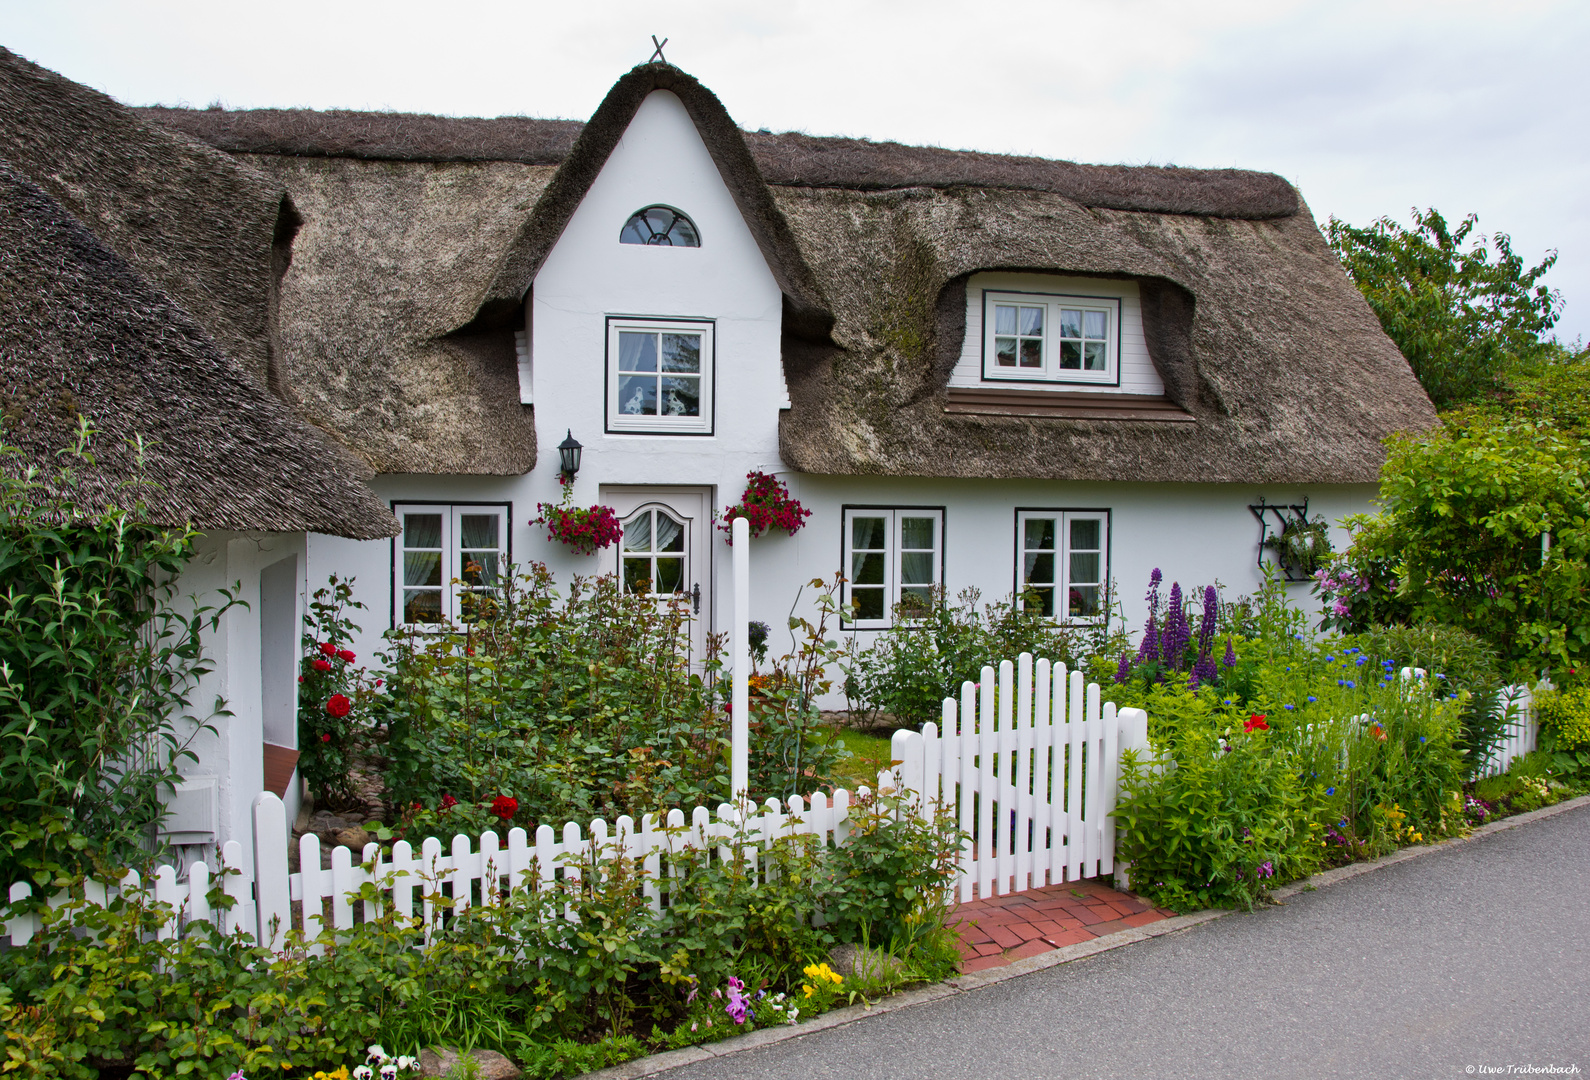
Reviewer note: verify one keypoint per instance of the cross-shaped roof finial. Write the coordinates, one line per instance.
(657, 56)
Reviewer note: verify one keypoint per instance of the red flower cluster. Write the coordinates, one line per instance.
(1256, 722)
(448, 801)
(766, 504)
(339, 705)
(586, 529)
(320, 665)
(505, 807)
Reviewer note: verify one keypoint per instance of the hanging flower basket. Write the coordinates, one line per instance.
(766, 504)
(584, 529)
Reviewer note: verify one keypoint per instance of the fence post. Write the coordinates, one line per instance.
(274, 905)
(906, 753)
(1133, 726)
(740, 637)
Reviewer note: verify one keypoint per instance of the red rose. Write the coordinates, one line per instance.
(345, 654)
(448, 801)
(380, 682)
(1255, 722)
(325, 738)
(505, 807)
(328, 649)
(300, 678)
(320, 665)
(339, 705)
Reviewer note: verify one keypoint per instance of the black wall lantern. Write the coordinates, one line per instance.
(569, 456)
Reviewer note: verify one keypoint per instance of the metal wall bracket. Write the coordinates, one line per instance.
(1274, 516)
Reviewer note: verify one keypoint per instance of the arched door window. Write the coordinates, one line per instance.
(660, 225)
(654, 553)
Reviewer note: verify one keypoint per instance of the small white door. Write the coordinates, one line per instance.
(666, 549)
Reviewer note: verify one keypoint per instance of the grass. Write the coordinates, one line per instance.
(869, 754)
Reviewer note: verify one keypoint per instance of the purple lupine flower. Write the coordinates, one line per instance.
(1206, 628)
(1124, 669)
(1149, 649)
(1176, 635)
(1204, 670)
(1230, 659)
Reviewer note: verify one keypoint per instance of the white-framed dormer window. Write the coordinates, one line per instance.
(1062, 563)
(446, 555)
(659, 376)
(893, 556)
(1034, 337)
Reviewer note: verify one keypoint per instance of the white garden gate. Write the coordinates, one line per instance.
(1030, 762)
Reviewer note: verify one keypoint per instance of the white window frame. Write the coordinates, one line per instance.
(894, 517)
(1062, 585)
(622, 423)
(1051, 371)
(452, 565)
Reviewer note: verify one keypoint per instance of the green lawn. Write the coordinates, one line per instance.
(869, 753)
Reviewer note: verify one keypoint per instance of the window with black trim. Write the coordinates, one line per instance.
(447, 560)
(893, 557)
(659, 376)
(660, 226)
(1062, 563)
(1033, 337)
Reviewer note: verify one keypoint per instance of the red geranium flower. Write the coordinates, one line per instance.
(328, 649)
(505, 806)
(320, 665)
(1256, 722)
(339, 705)
(345, 654)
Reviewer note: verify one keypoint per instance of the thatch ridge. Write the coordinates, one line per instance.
(84, 336)
(787, 159)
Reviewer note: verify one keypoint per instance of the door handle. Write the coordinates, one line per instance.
(695, 598)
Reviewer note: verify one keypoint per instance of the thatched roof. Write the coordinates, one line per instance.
(85, 337)
(140, 292)
(1255, 330)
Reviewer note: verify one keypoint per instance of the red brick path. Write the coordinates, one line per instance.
(1001, 929)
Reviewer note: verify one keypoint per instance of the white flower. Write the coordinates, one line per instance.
(376, 1053)
(389, 1072)
(362, 1073)
(406, 1062)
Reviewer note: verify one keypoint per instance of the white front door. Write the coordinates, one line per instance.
(666, 550)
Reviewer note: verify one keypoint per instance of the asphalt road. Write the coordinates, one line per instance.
(1473, 960)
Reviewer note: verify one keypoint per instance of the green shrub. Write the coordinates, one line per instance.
(1466, 664)
(925, 656)
(97, 672)
(894, 864)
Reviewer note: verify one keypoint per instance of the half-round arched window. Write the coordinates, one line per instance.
(660, 225)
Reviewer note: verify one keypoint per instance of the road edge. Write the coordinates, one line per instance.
(961, 984)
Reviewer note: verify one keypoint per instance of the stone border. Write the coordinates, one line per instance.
(960, 984)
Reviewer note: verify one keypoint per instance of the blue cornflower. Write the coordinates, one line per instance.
(1330, 791)
(1340, 682)
(1286, 706)
(1311, 697)
(1350, 684)
(1342, 824)
(1328, 659)
(1361, 661)
(1421, 738)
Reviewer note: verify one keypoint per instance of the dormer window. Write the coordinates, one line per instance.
(1032, 337)
(660, 226)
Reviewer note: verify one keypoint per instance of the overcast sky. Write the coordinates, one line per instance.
(1369, 107)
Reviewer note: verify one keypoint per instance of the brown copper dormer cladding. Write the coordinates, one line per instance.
(1000, 401)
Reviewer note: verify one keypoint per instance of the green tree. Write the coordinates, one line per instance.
(1483, 526)
(1463, 311)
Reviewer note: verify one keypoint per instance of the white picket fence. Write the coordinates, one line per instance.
(1030, 763)
(469, 873)
(1521, 736)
